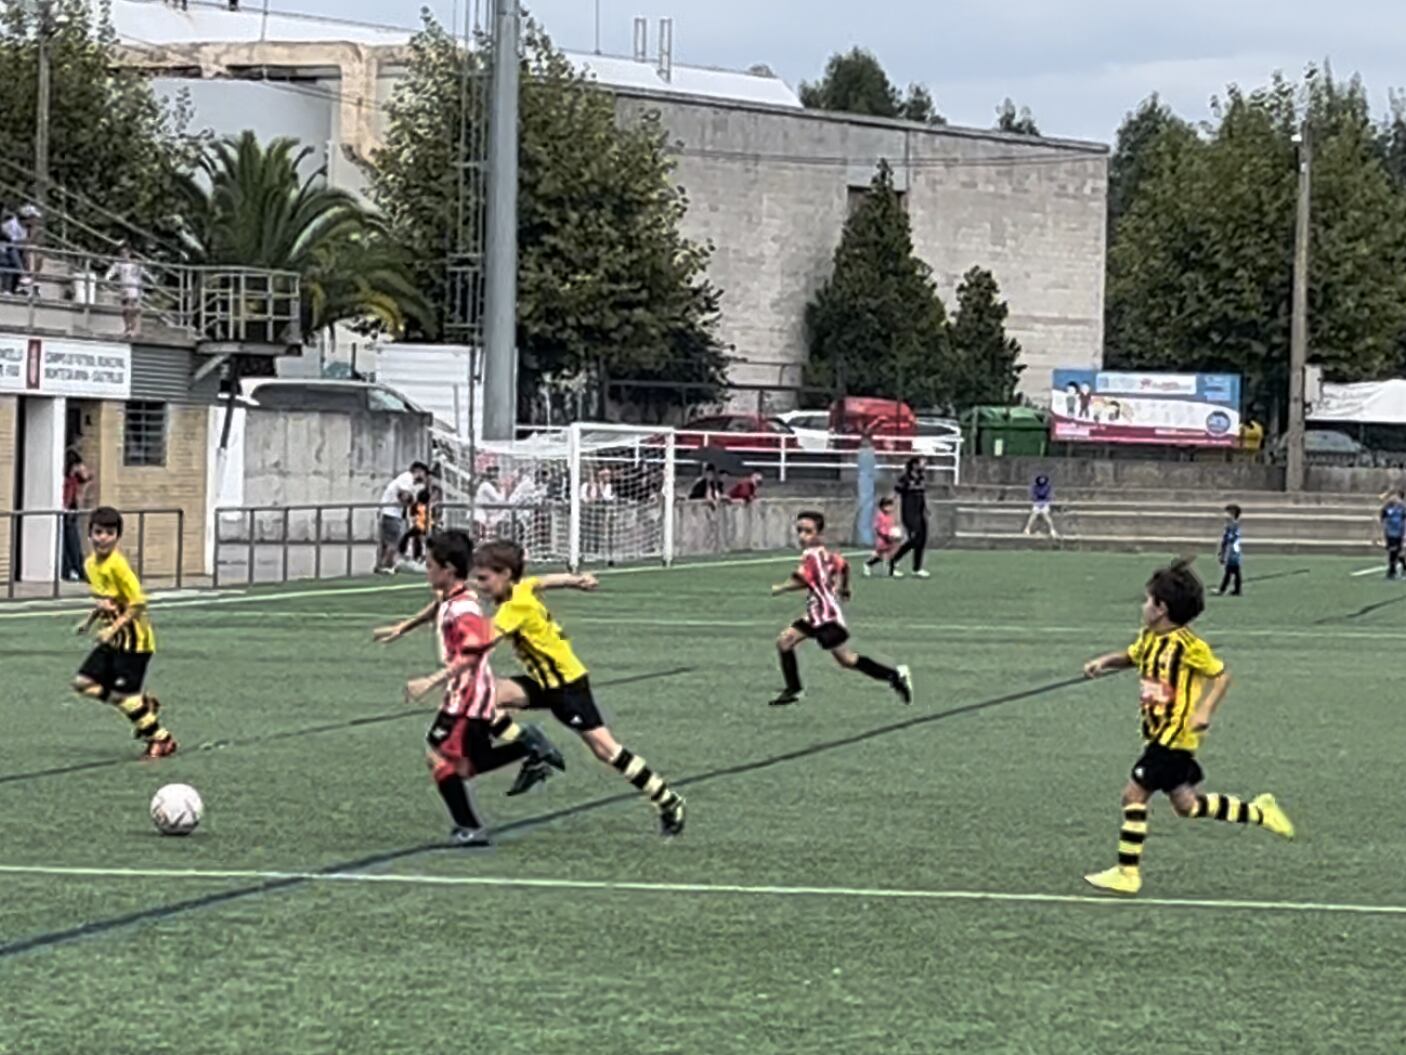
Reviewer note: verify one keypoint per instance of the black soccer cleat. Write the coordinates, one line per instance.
(543, 750)
(471, 838)
(788, 697)
(671, 820)
(903, 684)
(532, 773)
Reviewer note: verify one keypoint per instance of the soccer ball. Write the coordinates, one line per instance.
(176, 809)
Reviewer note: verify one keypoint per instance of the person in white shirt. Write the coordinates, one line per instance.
(128, 274)
(14, 236)
(396, 500)
(488, 504)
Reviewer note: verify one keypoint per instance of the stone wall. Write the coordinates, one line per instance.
(305, 457)
(771, 188)
(765, 525)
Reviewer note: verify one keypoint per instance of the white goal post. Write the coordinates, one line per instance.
(588, 494)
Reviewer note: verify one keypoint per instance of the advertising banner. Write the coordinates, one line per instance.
(40, 366)
(1109, 406)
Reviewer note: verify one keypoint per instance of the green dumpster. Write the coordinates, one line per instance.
(1007, 431)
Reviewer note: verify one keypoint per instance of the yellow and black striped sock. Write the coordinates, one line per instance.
(650, 783)
(505, 729)
(1132, 836)
(1227, 808)
(145, 724)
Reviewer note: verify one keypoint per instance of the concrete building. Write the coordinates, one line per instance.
(770, 184)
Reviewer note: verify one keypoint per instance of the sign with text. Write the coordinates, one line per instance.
(39, 366)
(1188, 410)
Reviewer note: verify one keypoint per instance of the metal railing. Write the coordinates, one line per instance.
(39, 536)
(217, 304)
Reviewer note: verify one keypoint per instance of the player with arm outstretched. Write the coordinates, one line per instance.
(1182, 684)
(825, 578)
(555, 678)
(460, 739)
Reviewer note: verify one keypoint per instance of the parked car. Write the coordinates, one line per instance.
(1329, 447)
(810, 427)
(741, 431)
(348, 397)
(937, 436)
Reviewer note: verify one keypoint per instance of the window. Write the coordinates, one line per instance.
(383, 402)
(144, 434)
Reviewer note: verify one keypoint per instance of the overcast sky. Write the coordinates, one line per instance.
(1078, 64)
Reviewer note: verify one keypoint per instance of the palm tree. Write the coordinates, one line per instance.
(249, 206)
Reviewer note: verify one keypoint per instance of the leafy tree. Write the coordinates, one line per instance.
(855, 82)
(877, 326)
(1018, 122)
(607, 284)
(918, 106)
(253, 207)
(116, 149)
(983, 365)
(1200, 275)
(1126, 168)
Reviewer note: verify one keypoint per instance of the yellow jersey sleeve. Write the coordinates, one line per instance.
(1200, 658)
(1138, 647)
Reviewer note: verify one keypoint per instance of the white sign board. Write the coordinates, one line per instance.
(40, 366)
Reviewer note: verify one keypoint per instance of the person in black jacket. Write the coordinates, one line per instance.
(913, 508)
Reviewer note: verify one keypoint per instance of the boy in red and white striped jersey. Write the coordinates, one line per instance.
(825, 578)
(460, 739)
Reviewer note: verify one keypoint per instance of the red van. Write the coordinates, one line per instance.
(891, 421)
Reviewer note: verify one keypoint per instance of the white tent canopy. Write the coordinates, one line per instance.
(1366, 403)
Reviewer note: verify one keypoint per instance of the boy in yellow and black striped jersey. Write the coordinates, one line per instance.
(1182, 684)
(116, 668)
(555, 677)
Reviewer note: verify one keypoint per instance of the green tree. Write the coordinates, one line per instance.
(877, 327)
(253, 207)
(984, 363)
(1200, 274)
(855, 83)
(1019, 122)
(116, 149)
(1140, 129)
(607, 284)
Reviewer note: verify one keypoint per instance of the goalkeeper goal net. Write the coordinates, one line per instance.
(587, 494)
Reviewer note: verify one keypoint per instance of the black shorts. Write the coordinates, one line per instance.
(571, 704)
(1164, 769)
(1393, 545)
(119, 673)
(828, 636)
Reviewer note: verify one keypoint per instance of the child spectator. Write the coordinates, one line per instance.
(887, 535)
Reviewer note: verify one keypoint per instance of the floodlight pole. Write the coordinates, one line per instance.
(501, 249)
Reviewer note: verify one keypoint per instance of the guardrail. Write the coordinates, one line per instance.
(37, 538)
(220, 304)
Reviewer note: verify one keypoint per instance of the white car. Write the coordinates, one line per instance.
(811, 428)
(937, 436)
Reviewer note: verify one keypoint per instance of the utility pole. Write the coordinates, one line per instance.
(1298, 337)
(500, 250)
(41, 126)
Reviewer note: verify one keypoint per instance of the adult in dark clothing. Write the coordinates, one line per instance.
(913, 509)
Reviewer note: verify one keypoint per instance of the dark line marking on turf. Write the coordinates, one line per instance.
(160, 912)
(313, 730)
(1278, 575)
(1367, 610)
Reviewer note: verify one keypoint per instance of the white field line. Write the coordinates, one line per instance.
(221, 597)
(1375, 569)
(725, 889)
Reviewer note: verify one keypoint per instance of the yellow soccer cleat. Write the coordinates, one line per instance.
(1116, 880)
(1272, 818)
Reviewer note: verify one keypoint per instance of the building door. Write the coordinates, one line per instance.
(39, 486)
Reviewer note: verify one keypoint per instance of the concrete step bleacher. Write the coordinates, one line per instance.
(994, 518)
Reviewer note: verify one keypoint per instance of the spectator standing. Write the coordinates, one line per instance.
(1041, 501)
(128, 273)
(913, 509)
(396, 502)
(1394, 531)
(489, 501)
(707, 488)
(747, 490)
(12, 239)
(76, 479)
(1230, 551)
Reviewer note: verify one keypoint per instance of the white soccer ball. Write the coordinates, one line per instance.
(176, 809)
